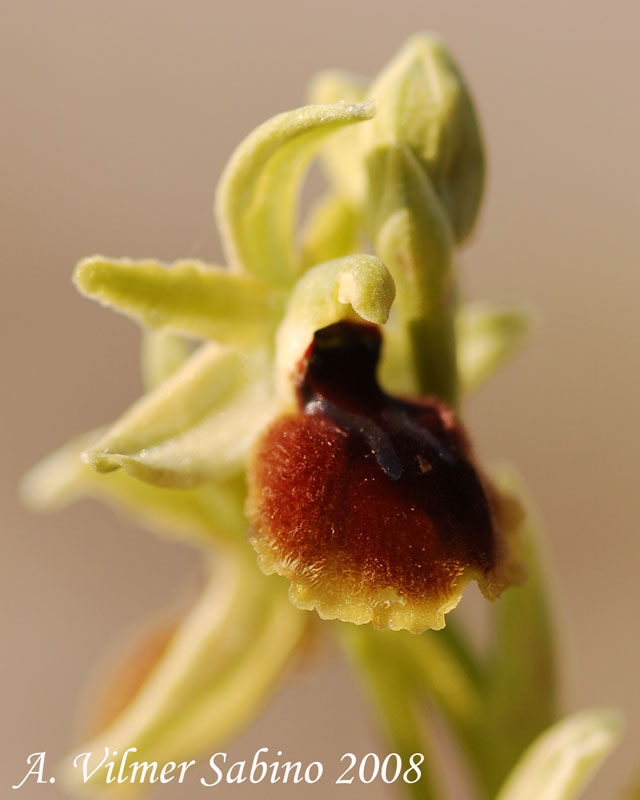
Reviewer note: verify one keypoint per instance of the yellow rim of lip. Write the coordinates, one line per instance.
(354, 602)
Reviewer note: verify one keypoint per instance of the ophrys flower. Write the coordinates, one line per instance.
(289, 353)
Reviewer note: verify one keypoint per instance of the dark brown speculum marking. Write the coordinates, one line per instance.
(370, 504)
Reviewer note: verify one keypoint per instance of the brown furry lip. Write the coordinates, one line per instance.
(370, 504)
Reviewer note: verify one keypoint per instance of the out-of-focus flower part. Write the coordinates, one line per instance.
(563, 760)
(211, 674)
(370, 504)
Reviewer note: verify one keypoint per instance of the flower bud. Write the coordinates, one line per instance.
(423, 103)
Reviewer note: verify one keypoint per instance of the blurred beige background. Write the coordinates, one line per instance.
(116, 120)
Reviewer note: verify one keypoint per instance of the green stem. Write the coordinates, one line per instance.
(372, 653)
(433, 352)
(442, 668)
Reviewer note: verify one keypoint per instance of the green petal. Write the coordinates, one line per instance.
(257, 196)
(212, 512)
(341, 154)
(562, 761)
(196, 426)
(424, 104)
(215, 673)
(324, 295)
(486, 337)
(331, 231)
(188, 297)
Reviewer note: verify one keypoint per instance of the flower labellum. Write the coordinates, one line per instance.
(368, 503)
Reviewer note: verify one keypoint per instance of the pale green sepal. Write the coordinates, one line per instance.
(196, 426)
(562, 761)
(424, 104)
(341, 155)
(331, 231)
(256, 200)
(214, 675)
(161, 354)
(413, 237)
(188, 297)
(324, 295)
(486, 337)
(210, 513)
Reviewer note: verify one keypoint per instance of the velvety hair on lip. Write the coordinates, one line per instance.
(370, 504)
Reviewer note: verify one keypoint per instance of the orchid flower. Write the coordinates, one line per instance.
(305, 396)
